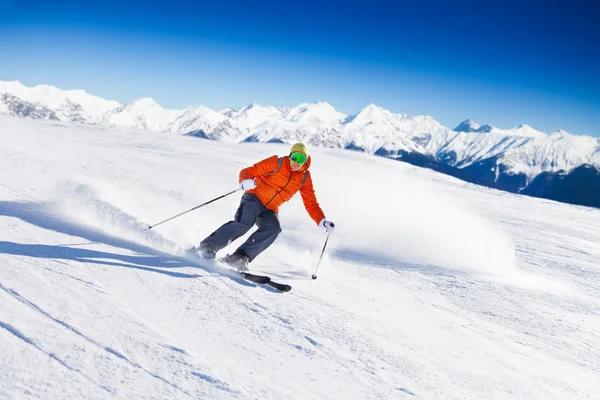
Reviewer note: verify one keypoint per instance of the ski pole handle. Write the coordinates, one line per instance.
(193, 208)
(314, 275)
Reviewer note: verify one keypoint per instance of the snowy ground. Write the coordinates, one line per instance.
(431, 287)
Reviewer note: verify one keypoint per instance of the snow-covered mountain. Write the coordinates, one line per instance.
(467, 125)
(13, 105)
(525, 130)
(142, 113)
(508, 159)
(521, 130)
(68, 105)
(374, 127)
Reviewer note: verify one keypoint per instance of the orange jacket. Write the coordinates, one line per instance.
(274, 189)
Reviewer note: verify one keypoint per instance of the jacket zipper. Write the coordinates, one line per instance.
(280, 190)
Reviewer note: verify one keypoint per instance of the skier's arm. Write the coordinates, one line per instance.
(310, 200)
(259, 169)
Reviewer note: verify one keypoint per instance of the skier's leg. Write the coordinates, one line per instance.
(245, 218)
(268, 230)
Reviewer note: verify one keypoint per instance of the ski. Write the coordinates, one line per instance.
(279, 286)
(256, 278)
(260, 279)
(266, 280)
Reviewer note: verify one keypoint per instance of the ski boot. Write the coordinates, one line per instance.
(206, 252)
(238, 260)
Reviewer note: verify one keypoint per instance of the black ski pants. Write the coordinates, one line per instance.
(251, 211)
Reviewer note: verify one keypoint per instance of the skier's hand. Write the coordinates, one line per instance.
(248, 184)
(327, 225)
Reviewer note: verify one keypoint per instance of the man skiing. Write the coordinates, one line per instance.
(267, 184)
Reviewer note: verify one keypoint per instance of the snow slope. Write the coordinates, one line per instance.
(431, 287)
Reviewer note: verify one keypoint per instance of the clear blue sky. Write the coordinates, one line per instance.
(498, 62)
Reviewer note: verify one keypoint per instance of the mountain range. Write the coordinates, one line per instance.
(558, 165)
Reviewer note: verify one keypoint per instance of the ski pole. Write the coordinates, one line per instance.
(194, 208)
(314, 276)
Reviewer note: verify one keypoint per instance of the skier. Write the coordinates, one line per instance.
(267, 184)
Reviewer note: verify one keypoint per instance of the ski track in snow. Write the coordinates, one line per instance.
(446, 290)
(75, 331)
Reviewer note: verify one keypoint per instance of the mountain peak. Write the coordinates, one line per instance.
(317, 104)
(140, 104)
(371, 107)
(467, 125)
(559, 134)
(316, 113)
(485, 128)
(4, 85)
(149, 101)
(369, 114)
(251, 106)
(373, 110)
(525, 130)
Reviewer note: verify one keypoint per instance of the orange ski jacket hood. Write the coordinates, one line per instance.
(275, 186)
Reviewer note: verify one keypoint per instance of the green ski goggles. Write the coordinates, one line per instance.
(298, 157)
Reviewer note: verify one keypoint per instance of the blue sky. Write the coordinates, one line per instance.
(502, 63)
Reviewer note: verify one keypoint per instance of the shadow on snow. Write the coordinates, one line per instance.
(149, 259)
